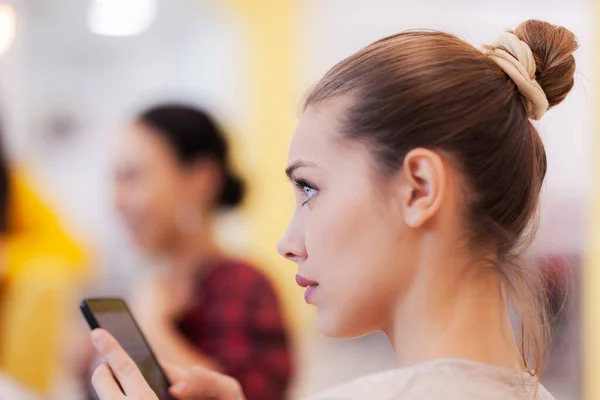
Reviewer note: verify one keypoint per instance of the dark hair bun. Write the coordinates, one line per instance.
(552, 47)
(194, 135)
(233, 191)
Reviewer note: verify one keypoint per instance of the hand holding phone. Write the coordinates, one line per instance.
(129, 351)
(120, 377)
(196, 384)
(136, 378)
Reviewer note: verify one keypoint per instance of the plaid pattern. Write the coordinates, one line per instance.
(236, 321)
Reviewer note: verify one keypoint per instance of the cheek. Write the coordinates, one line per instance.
(148, 209)
(157, 195)
(352, 245)
(346, 231)
(141, 199)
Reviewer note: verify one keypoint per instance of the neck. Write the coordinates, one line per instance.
(192, 250)
(455, 309)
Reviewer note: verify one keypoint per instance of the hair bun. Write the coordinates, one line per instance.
(233, 191)
(552, 47)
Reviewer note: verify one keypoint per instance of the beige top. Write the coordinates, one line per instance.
(448, 379)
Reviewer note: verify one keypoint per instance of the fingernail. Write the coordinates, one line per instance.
(179, 387)
(98, 337)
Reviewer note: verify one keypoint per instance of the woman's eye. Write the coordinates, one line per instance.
(308, 190)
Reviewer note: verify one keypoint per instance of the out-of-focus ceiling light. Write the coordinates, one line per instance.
(121, 17)
(7, 27)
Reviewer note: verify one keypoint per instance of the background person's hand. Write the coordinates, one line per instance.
(200, 383)
(195, 384)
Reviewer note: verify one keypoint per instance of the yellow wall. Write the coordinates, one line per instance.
(591, 270)
(270, 32)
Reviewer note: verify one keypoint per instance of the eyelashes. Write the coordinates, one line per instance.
(308, 189)
(302, 183)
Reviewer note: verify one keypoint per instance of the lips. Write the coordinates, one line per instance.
(303, 282)
(311, 287)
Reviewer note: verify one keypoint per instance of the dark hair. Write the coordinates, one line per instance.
(432, 90)
(192, 135)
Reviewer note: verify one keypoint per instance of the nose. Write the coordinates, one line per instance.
(291, 245)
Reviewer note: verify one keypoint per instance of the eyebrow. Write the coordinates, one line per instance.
(289, 171)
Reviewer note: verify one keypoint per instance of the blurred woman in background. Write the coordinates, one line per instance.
(200, 306)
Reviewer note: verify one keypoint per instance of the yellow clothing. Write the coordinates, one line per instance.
(35, 232)
(44, 267)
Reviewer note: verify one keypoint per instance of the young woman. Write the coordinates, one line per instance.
(418, 174)
(172, 177)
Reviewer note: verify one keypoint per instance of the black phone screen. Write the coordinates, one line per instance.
(113, 315)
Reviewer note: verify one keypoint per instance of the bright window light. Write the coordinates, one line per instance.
(121, 17)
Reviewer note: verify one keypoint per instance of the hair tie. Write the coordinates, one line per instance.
(518, 63)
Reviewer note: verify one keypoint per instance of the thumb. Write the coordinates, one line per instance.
(202, 383)
(173, 372)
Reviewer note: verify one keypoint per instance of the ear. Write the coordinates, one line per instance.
(205, 181)
(423, 186)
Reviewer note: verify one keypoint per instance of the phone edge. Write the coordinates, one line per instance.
(88, 315)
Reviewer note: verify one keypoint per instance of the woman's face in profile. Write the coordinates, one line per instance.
(150, 186)
(347, 232)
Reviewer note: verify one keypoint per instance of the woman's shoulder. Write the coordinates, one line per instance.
(449, 379)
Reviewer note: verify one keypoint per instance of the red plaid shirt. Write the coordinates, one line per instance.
(236, 321)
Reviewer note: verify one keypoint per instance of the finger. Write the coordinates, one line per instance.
(123, 367)
(105, 384)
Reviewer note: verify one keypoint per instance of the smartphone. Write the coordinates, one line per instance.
(114, 316)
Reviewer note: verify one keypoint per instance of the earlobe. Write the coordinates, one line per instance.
(424, 186)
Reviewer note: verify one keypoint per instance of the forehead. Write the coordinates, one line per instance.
(318, 136)
(138, 141)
